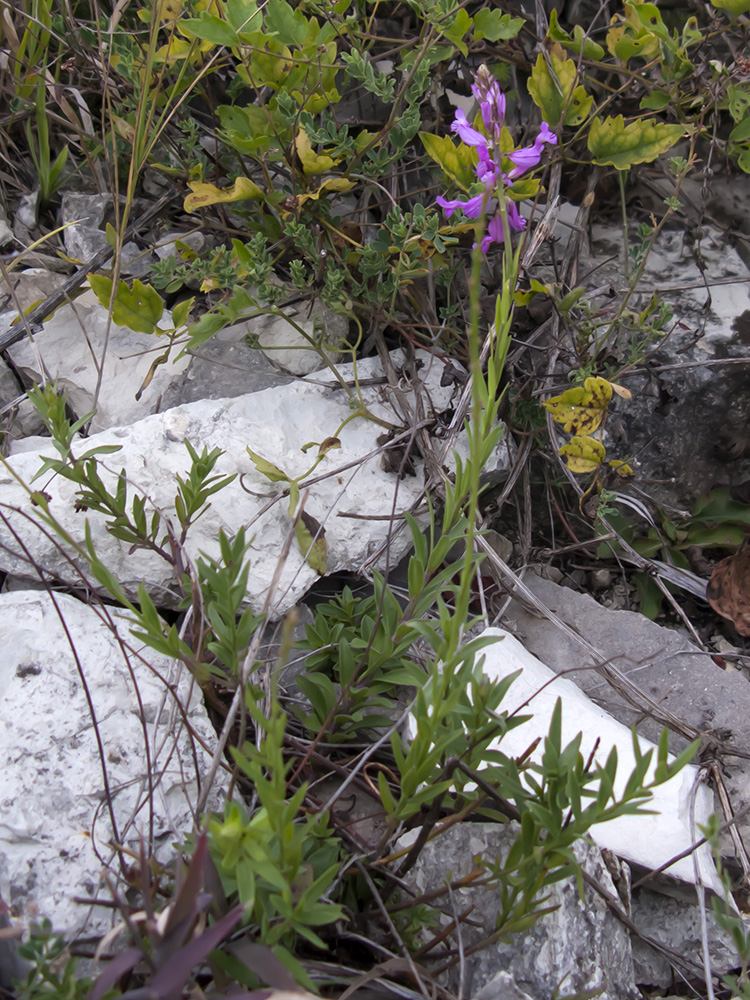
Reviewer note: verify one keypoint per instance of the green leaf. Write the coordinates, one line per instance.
(181, 312)
(458, 30)
(138, 308)
(612, 142)
(291, 26)
(655, 102)
(552, 88)
(312, 541)
(267, 469)
(496, 26)
(741, 132)
(733, 7)
(591, 50)
(458, 162)
(210, 28)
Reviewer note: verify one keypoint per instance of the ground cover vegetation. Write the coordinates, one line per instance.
(317, 147)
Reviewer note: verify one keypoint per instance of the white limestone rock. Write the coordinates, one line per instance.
(288, 348)
(275, 423)
(55, 829)
(71, 346)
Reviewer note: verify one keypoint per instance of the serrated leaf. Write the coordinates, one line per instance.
(312, 542)
(458, 30)
(458, 162)
(612, 142)
(204, 194)
(268, 469)
(552, 88)
(496, 26)
(591, 50)
(138, 308)
(581, 409)
(583, 454)
(283, 20)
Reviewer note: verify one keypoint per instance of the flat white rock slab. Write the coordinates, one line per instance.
(275, 423)
(55, 828)
(649, 841)
(76, 341)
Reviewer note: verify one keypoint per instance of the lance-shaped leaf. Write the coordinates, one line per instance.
(581, 409)
(612, 142)
(268, 469)
(583, 454)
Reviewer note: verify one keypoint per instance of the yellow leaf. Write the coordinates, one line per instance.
(312, 162)
(169, 10)
(329, 184)
(552, 88)
(581, 410)
(623, 470)
(208, 194)
(311, 538)
(583, 454)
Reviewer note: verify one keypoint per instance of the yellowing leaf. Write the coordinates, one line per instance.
(551, 88)
(312, 162)
(623, 470)
(311, 538)
(208, 194)
(733, 7)
(138, 308)
(583, 454)
(458, 162)
(169, 10)
(581, 410)
(329, 184)
(612, 142)
(268, 469)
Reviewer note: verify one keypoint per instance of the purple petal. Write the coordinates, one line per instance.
(471, 207)
(494, 233)
(515, 219)
(546, 135)
(529, 156)
(487, 169)
(465, 132)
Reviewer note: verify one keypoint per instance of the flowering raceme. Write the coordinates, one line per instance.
(489, 170)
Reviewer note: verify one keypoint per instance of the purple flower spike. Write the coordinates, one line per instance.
(489, 167)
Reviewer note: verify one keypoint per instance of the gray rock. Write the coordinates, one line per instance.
(83, 215)
(223, 368)
(677, 925)
(580, 946)
(167, 245)
(502, 987)
(55, 829)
